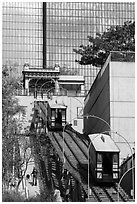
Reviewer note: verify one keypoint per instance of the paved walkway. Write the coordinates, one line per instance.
(26, 188)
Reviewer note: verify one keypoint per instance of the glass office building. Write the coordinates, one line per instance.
(22, 34)
(43, 34)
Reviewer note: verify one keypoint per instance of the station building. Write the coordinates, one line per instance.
(112, 98)
(48, 85)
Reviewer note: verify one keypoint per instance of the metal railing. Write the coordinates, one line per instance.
(31, 92)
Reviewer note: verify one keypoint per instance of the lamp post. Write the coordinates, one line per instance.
(132, 161)
(132, 168)
(79, 102)
(97, 117)
(88, 168)
(63, 143)
(36, 85)
(55, 81)
(46, 83)
(41, 89)
(55, 89)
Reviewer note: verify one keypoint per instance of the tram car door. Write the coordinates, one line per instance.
(56, 116)
(107, 166)
(104, 158)
(59, 117)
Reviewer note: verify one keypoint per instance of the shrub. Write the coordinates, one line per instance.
(12, 196)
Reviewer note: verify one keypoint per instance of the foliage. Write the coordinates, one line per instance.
(25, 156)
(116, 38)
(10, 124)
(64, 70)
(11, 197)
(10, 105)
(14, 196)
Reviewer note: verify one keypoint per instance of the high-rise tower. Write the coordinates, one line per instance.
(43, 34)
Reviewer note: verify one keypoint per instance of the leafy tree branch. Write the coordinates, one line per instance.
(116, 38)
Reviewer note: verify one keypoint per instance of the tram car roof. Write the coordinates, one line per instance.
(52, 104)
(103, 143)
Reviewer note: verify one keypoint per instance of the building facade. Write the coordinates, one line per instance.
(45, 33)
(112, 99)
(49, 85)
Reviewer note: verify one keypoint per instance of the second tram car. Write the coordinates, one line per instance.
(56, 116)
(104, 158)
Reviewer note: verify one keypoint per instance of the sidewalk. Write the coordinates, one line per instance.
(26, 188)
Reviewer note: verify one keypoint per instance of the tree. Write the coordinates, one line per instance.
(116, 38)
(25, 156)
(65, 70)
(10, 125)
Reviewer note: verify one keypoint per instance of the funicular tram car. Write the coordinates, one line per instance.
(103, 158)
(56, 116)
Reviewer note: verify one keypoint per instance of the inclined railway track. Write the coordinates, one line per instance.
(74, 149)
(71, 160)
(78, 158)
(82, 145)
(76, 161)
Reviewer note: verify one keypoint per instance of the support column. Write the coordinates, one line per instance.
(44, 34)
(82, 90)
(27, 85)
(57, 89)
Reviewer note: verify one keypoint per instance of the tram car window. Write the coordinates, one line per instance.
(103, 158)
(56, 116)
